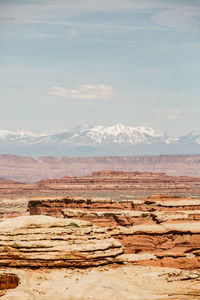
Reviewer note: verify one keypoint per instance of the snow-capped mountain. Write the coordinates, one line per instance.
(119, 134)
(18, 136)
(122, 134)
(190, 138)
(86, 140)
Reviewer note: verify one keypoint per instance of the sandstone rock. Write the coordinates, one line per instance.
(137, 183)
(129, 218)
(124, 282)
(109, 212)
(154, 237)
(174, 245)
(41, 241)
(110, 217)
(55, 205)
(8, 281)
(136, 257)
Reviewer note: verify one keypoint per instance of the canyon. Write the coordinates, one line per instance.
(89, 235)
(29, 170)
(160, 230)
(89, 247)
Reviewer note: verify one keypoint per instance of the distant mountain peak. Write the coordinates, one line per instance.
(120, 133)
(88, 140)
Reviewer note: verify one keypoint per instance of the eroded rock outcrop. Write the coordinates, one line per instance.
(42, 241)
(53, 206)
(108, 212)
(169, 245)
(136, 183)
(160, 230)
(140, 182)
(8, 281)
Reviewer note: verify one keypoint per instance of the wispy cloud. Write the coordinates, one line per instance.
(176, 114)
(85, 92)
(94, 26)
(182, 18)
(171, 15)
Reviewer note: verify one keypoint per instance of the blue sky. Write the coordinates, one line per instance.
(70, 62)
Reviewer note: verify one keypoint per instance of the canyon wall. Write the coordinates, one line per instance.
(115, 183)
(27, 169)
(160, 230)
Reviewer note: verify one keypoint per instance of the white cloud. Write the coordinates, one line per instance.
(86, 91)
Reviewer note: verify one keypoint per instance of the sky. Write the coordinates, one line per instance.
(100, 62)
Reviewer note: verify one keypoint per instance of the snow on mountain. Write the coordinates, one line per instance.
(19, 133)
(121, 134)
(191, 138)
(98, 140)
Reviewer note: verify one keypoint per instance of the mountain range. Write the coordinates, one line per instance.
(86, 140)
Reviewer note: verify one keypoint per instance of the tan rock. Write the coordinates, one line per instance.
(125, 282)
(41, 241)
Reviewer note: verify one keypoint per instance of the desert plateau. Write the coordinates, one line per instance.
(107, 235)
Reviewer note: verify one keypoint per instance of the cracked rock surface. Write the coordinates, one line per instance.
(43, 241)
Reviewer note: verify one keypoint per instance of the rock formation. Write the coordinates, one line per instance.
(8, 281)
(134, 236)
(100, 211)
(166, 245)
(27, 169)
(42, 241)
(112, 182)
(160, 230)
(102, 283)
(139, 182)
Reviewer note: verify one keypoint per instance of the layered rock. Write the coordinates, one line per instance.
(42, 241)
(113, 182)
(168, 245)
(13, 207)
(160, 230)
(139, 182)
(109, 212)
(130, 218)
(27, 169)
(53, 206)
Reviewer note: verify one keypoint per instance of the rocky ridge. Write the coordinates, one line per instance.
(29, 170)
(139, 183)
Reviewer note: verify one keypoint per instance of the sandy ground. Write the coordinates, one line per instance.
(102, 283)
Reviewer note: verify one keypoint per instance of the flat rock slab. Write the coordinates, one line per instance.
(103, 283)
(42, 241)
